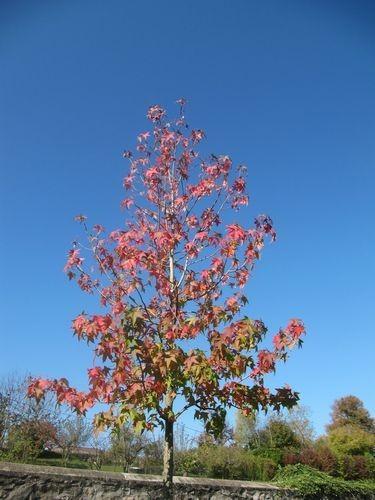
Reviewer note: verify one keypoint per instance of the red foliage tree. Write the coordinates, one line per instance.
(172, 274)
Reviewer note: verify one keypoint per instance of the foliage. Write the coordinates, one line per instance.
(316, 484)
(226, 462)
(19, 415)
(27, 440)
(351, 440)
(357, 467)
(191, 462)
(173, 273)
(279, 431)
(322, 457)
(272, 439)
(278, 434)
(350, 410)
(274, 454)
(318, 457)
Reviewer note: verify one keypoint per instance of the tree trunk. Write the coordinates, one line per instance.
(168, 459)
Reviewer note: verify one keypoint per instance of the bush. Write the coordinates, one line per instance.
(357, 467)
(321, 458)
(225, 463)
(229, 463)
(266, 470)
(274, 454)
(312, 483)
(189, 463)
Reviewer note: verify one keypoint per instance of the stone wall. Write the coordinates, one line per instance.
(32, 482)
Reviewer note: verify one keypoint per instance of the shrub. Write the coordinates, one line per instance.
(266, 470)
(225, 463)
(321, 458)
(357, 467)
(229, 463)
(274, 454)
(189, 463)
(310, 482)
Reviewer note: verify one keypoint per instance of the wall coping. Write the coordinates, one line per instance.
(10, 468)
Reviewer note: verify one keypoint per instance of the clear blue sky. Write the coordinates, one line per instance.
(286, 87)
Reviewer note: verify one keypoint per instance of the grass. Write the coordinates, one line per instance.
(73, 463)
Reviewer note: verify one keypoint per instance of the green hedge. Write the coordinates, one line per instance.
(312, 483)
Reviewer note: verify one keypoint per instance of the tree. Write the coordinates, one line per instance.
(29, 438)
(278, 434)
(73, 432)
(153, 452)
(12, 406)
(171, 275)
(27, 426)
(350, 410)
(182, 440)
(99, 448)
(126, 445)
(245, 429)
(249, 433)
(4, 418)
(351, 440)
(298, 419)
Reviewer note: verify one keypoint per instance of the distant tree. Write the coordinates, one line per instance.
(29, 438)
(277, 431)
(73, 432)
(99, 450)
(350, 410)
(183, 441)
(127, 445)
(351, 440)
(12, 406)
(245, 429)
(4, 418)
(278, 434)
(172, 273)
(298, 419)
(224, 438)
(27, 426)
(153, 452)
